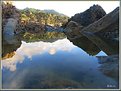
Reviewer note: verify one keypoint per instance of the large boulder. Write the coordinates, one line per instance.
(89, 16)
(93, 24)
(8, 32)
(79, 21)
(10, 19)
(72, 29)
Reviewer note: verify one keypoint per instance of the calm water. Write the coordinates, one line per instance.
(59, 64)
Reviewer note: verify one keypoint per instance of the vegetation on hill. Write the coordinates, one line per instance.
(32, 21)
(42, 17)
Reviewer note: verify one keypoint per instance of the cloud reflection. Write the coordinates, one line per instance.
(36, 48)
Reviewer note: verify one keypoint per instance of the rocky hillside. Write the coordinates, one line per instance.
(46, 17)
(30, 21)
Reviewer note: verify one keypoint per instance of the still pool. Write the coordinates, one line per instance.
(51, 65)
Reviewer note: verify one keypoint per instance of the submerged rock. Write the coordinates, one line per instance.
(109, 65)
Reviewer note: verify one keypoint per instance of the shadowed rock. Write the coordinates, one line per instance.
(8, 33)
(107, 24)
(89, 16)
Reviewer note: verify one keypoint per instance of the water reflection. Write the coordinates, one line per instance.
(109, 66)
(54, 65)
(94, 44)
(8, 48)
(31, 49)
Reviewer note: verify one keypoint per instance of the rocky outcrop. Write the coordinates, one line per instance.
(79, 21)
(73, 30)
(10, 18)
(89, 16)
(8, 33)
(102, 31)
(107, 23)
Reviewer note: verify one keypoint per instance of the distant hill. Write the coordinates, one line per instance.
(51, 11)
(46, 17)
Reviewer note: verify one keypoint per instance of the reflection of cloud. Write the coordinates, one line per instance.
(30, 49)
(10, 63)
(18, 80)
(52, 51)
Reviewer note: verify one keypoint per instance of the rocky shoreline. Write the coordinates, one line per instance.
(14, 30)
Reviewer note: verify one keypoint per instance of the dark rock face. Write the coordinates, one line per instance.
(101, 29)
(110, 33)
(88, 46)
(10, 18)
(89, 16)
(72, 29)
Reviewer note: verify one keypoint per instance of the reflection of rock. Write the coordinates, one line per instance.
(10, 48)
(109, 65)
(11, 62)
(108, 24)
(9, 55)
(87, 45)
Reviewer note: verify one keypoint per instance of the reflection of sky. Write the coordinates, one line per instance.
(30, 49)
(101, 53)
(60, 60)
